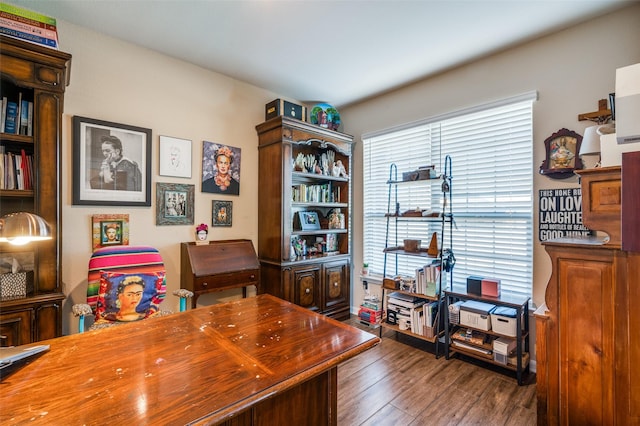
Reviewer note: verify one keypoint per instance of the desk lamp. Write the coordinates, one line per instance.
(22, 228)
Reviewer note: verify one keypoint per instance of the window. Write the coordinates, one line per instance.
(492, 191)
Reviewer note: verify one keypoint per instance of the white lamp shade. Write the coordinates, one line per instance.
(23, 227)
(590, 141)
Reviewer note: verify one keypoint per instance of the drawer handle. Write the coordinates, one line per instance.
(307, 290)
(205, 284)
(335, 284)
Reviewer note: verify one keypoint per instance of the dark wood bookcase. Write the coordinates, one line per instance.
(318, 278)
(40, 75)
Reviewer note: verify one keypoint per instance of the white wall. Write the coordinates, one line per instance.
(571, 70)
(119, 82)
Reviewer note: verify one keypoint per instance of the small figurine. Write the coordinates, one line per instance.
(202, 232)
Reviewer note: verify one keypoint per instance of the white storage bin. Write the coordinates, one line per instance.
(503, 320)
(476, 314)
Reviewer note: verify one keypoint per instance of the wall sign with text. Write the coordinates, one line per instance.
(560, 214)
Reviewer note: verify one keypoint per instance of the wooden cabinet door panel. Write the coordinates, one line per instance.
(306, 283)
(586, 330)
(15, 327)
(336, 285)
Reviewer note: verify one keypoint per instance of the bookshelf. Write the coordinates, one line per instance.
(304, 242)
(40, 75)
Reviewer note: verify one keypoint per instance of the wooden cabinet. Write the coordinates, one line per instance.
(587, 353)
(304, 241)
(38, 75)
(217, 266)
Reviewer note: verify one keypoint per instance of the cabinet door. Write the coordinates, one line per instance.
(47, 321)
(336, 286)
(15, 328)
(585, 332)
(306, 286)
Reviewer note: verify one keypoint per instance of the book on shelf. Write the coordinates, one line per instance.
(28, 28)
(24, 118)
(3, 113)
(31, 38)
(20, 12)
(11, 118)
(33, 22)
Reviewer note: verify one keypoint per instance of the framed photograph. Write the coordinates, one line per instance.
(174, 204)
(111, 163)
(175, 157)
(110, 230)
(309, 221)
(562, 157)
(222, 213)
(220, 169)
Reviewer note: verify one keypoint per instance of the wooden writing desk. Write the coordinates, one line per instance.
(256, 361)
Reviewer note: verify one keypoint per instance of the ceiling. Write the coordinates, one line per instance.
(339, 52)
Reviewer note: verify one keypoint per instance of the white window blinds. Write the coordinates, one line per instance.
(492, 197)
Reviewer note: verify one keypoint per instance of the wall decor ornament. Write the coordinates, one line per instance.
(111, 163)
(110, 230)
(325, 115)
(222, 213)
(175, 157)
(562, 157)
(174, 204)
(220, 168)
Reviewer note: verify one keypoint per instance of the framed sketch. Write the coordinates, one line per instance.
(309, 221)
(110, 230)
(111, 163)
(175, 157)
(562, 154)
(220, 169)
(222, 213)
(174, 204)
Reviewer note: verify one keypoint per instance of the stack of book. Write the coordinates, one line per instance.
(16, 116)
(428, 279)
(370, 311)
(16, 170)
(27, 25)
(418, 314)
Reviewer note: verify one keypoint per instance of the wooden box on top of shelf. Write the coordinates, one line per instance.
(317, 279)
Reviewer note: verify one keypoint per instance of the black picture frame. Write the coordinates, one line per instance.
(562, 154)
(129, 177)
(222, 213)
(174, 204)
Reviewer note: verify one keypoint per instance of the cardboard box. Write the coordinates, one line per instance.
(279, 107)
(490, 287)
(476, 314)
(16, 285)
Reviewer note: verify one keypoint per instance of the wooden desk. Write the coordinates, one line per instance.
(256, 361)
(219, 265)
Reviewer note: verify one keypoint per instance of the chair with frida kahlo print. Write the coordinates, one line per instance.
(124, 284)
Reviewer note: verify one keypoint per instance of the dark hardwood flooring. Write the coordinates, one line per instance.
(400, 382)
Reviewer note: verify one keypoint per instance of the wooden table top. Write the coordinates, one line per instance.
(204, 364)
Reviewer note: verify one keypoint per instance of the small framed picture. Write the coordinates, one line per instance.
(222, 213)
(175, 157)
(309, 221)
(110, 230)
(174, 204)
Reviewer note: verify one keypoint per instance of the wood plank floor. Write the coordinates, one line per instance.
(399, 382)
